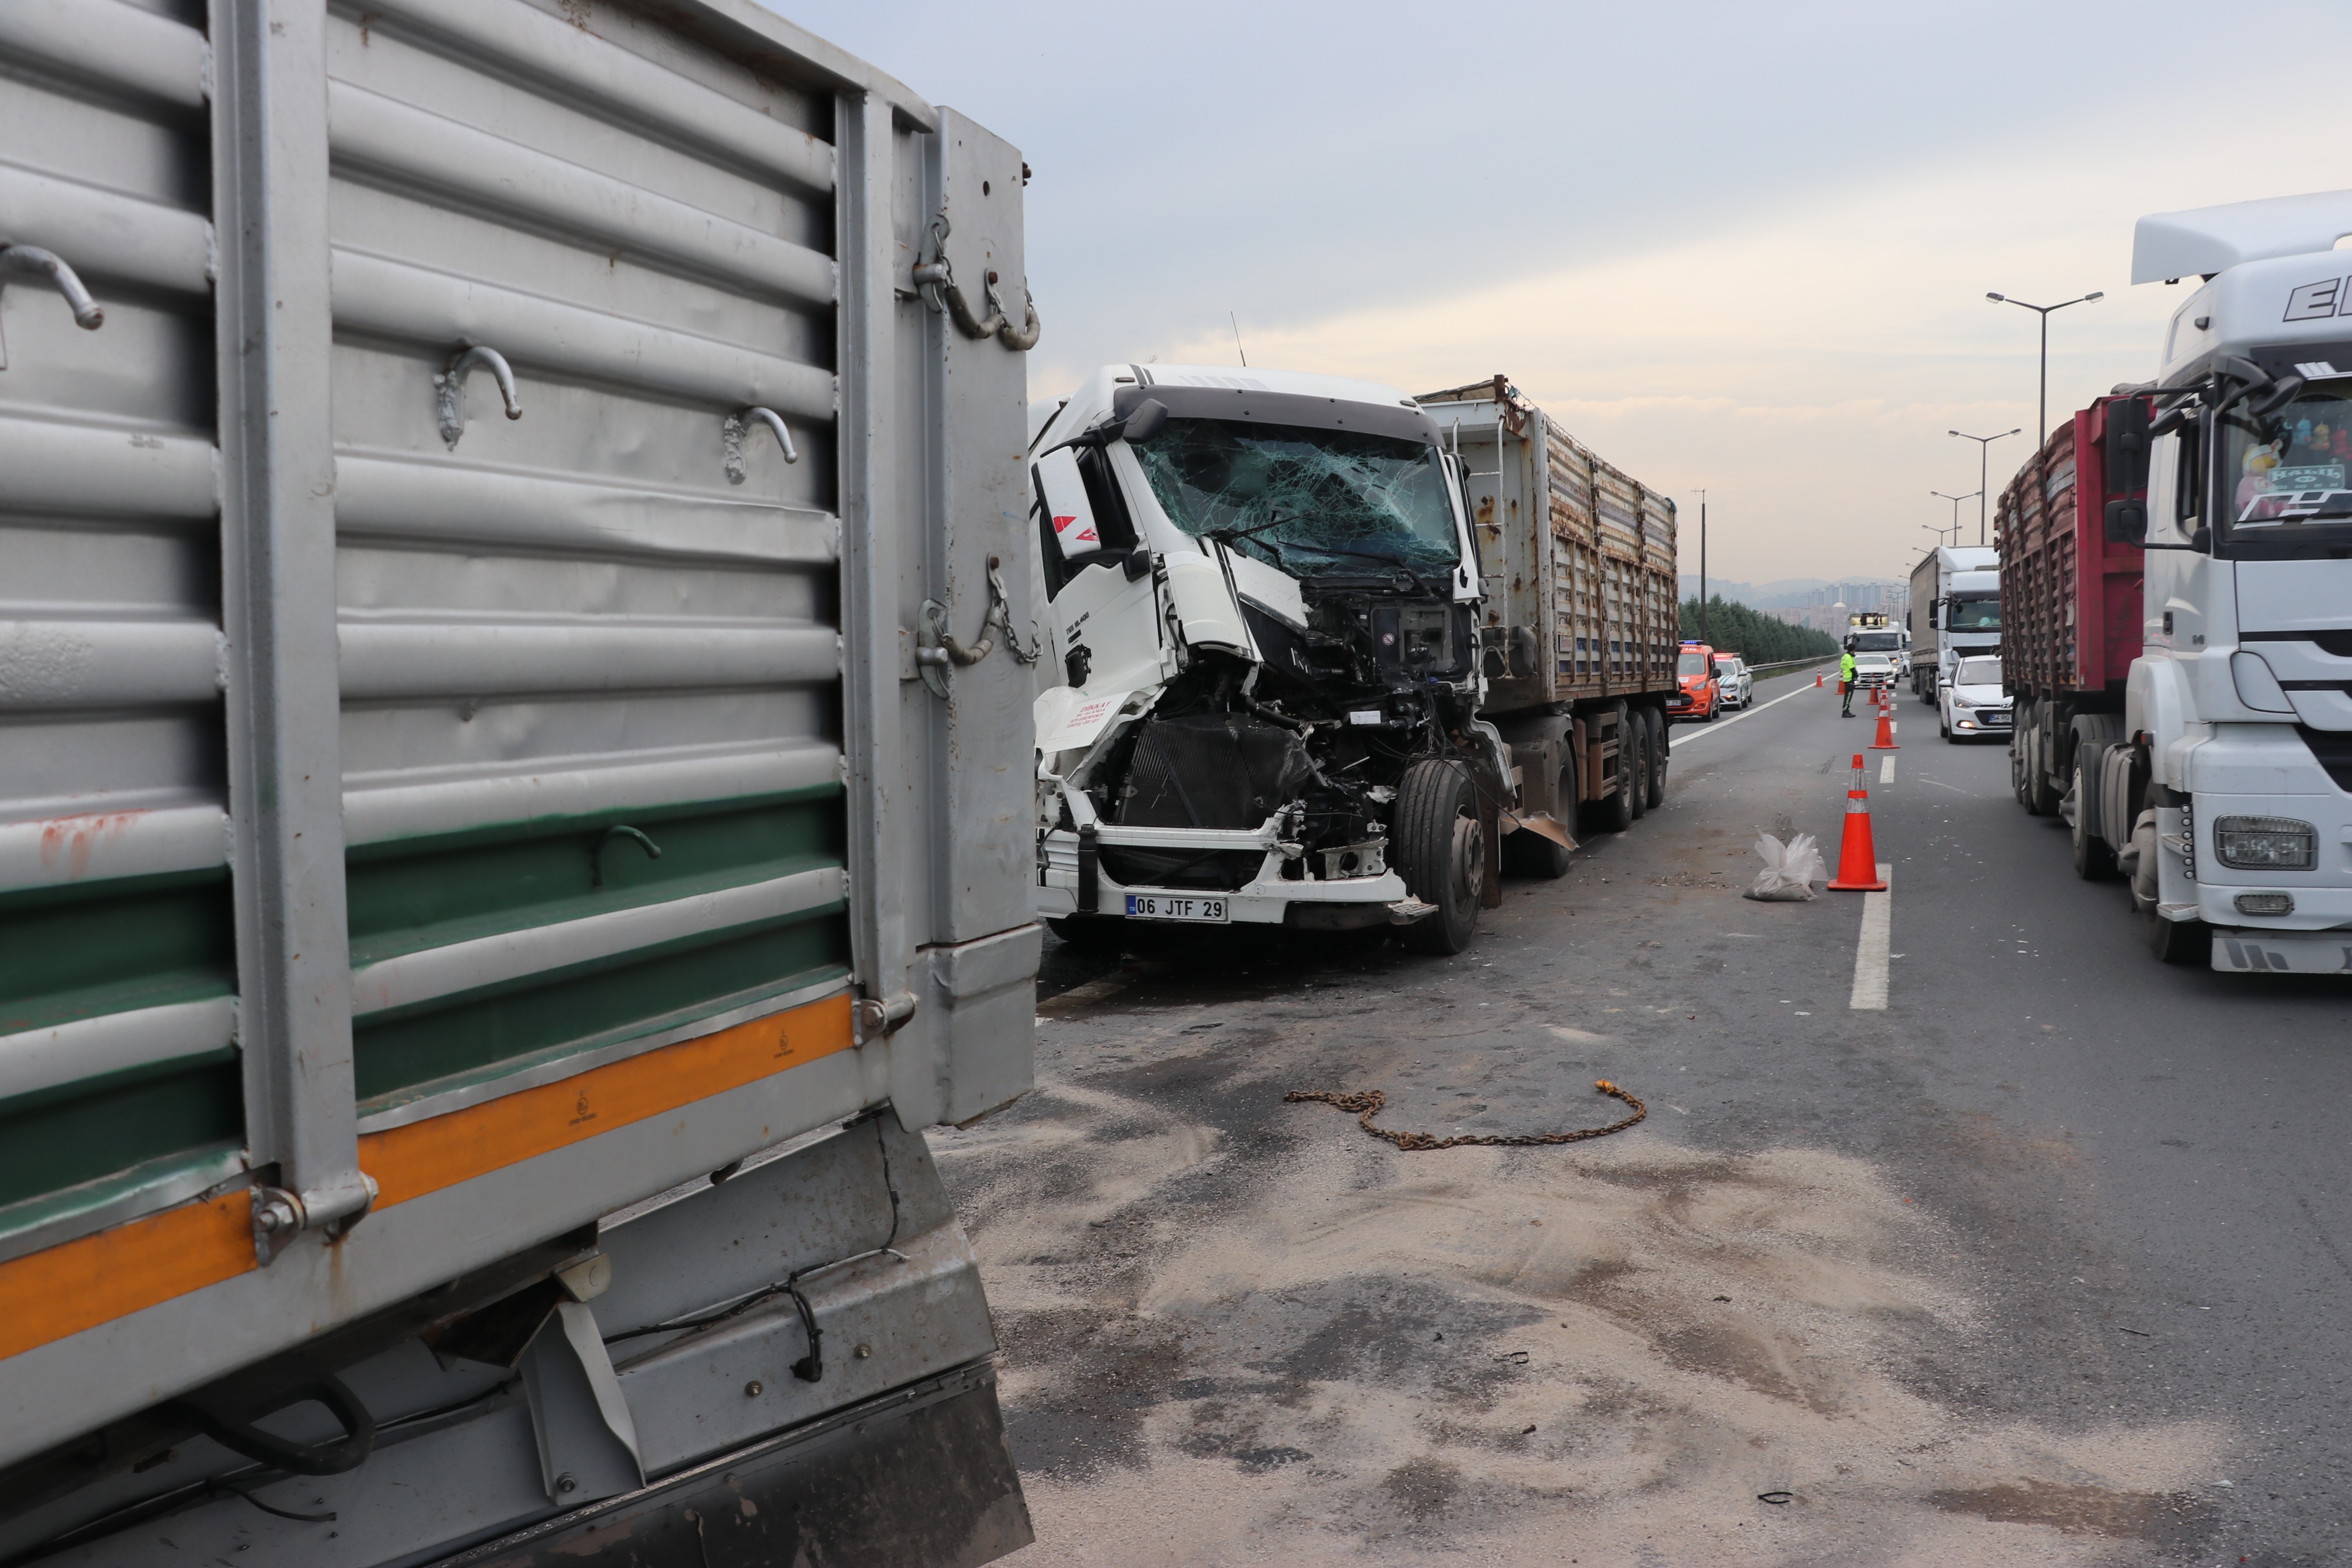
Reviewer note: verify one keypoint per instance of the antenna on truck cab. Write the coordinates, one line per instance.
(1237, 339)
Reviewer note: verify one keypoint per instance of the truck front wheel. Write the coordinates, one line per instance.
(2094, 859)
(1441, 852)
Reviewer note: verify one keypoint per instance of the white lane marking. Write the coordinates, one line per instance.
(1941, 785)
(1870, 951)
(1722, 724)
(1887, 770)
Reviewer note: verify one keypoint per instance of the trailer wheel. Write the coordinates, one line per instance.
(1660, 746)
(1644, 761)
(2094, 858)
(1441, 852)
(2033, 784)
(1613, 813)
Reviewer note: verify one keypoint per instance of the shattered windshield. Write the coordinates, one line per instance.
(1312, 502)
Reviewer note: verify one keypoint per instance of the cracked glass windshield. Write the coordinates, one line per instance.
(1312, 502)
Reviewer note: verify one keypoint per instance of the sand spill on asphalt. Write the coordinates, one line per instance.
(1290, 1343)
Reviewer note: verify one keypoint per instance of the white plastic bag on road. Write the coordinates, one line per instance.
(1790, 872)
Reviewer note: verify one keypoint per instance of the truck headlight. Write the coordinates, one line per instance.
(2265, 903)
(2265, 843)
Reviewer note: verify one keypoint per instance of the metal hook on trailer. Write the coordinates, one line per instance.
(738, 426)
(32, 261)
(449, 388)
(935, 280)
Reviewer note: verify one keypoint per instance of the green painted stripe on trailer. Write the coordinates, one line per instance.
(403, 1049)
(395, 943)
(523, 871)
(82, 948)
(93, 1205)
(76, 1132)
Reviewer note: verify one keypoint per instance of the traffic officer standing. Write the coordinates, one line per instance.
(1845, 679)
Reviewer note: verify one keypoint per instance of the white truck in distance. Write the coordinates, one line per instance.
(1955, 612)
(1258, 701)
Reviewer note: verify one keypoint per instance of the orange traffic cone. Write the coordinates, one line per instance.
(1857, 856)
(1821, 677)
(1885, 741)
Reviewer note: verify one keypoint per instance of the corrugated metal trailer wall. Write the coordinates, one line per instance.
(452, 756)
(2034, 527)
(1577, 551)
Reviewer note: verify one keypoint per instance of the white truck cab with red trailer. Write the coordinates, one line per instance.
(2224, 785)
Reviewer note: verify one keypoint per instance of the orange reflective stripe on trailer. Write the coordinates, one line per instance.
(94, 1280)
(442, 1150)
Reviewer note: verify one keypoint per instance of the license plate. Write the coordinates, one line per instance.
(2000, 719)
(1161, 907)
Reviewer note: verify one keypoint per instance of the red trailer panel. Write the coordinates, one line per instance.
(2069, 597)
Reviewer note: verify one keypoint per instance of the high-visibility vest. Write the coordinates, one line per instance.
(1845, 667)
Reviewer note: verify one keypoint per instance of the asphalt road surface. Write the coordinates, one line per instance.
(2045, 1260)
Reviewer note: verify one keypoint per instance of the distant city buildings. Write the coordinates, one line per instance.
(1826, 608)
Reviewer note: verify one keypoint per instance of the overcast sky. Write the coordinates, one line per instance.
(1729, 246)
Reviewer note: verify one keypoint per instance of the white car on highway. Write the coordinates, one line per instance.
(1734, 679)
(1874, 669)
(1973, 706)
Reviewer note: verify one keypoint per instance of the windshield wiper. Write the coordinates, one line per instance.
(1396, 561)
(1229, 537)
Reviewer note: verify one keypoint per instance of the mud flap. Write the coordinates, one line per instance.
(919, 1478)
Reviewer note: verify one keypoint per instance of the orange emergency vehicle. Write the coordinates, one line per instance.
(1697, 693)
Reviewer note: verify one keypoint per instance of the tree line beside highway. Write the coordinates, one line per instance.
(1756, 636)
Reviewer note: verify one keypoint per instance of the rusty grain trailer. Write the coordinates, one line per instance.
(1581, 618)
(486, 906)
(2069, 600)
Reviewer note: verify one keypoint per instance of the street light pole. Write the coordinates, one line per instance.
(1703, 634)
(1955, 501)
(1984, 445)
(2042, 419)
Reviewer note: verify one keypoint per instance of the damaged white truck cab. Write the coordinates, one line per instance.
(1260, 701)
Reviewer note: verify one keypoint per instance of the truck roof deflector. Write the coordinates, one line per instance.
(2209, 239)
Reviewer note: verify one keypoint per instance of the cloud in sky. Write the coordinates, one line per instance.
(1733, 246)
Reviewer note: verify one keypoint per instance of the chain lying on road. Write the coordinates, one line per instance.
(1368, 1103)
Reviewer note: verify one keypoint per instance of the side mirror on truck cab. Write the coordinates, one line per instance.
(1131, 421)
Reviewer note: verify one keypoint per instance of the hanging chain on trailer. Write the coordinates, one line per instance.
(1368, 1104)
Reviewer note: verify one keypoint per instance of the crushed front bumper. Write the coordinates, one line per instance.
(1267, 898)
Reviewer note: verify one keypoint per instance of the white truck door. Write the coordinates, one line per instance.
(1106, 622)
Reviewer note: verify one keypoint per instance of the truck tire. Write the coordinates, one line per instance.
(1661, 745)
(2035, 792)
(2094, 858)
(1441, 853)
(1613, 813)
(2173, 941)
(1645, 753)
(1089, 933)
(1533, 856)
(2178, 942)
